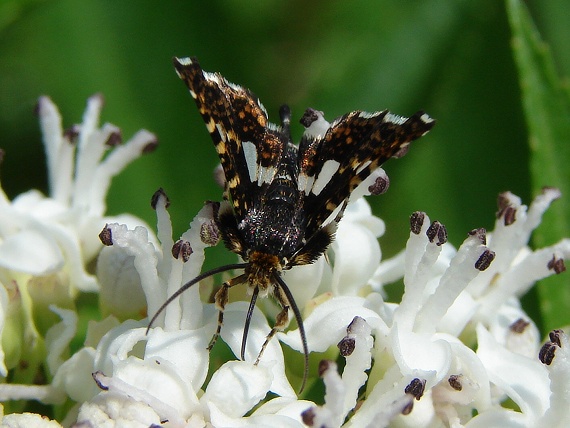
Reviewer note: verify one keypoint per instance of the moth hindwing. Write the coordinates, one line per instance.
(284, 201)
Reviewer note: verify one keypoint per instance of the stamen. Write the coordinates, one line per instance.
(209, 233)
(182, 250)
(380, 186)
(437, 233)
(546, 354)
(506, 209)
(72, 134)
(346, 346)
(555, 337)
(417, 221)
(150, 147)
(106, 236)
(556, 264)
(114, 139)
(455, 383)
(519, 326)
(480, 233)
(308, 416)
(485, 260)
(155, 197)
(416, 388)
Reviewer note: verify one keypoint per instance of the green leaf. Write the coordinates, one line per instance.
(547, 110)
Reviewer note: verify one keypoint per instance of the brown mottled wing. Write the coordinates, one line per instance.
(248, 145)
(351, 149)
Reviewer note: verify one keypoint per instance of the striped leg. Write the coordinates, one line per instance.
(221, 300)
(281, 321)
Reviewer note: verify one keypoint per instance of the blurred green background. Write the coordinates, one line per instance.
(449, 58)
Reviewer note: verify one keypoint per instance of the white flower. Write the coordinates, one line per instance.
(46, 243)
(410, 363)
(42, 235)
(169, 372)
(423, 369)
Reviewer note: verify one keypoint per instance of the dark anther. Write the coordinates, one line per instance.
(346, 346)
(437, 233)
(556, 264)
(71, 134)
(485, 260)
(324, 366)
(154, 200)
(308, 416)
(455, 382)
(505, 209)
(408, 408)
(380, 186)
(181, 250)
(502, 202)
(95, 376)
(481, 234)
(416, 388)
(114, 139)
(310, 116)
(509, 215)
(519, 326)
(209, 233)
(150, 147)
(417, 221)
(546, 353)
(2, 154)
(106, 236)
(555, 336)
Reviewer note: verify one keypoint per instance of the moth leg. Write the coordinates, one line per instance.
(281, 321)
(221, 300)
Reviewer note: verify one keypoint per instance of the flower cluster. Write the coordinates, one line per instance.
(457, 350)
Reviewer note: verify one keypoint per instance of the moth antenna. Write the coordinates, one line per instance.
(248, 321)
(190, 284)
(301, 326)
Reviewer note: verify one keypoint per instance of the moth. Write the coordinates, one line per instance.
(283, 202)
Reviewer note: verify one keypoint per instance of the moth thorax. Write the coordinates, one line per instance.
(260, 270)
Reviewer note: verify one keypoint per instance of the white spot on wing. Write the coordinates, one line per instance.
(221, 132)
(235, 87)
(395, 119)
(362, 166)
(213, 77)
(184, 61)
(328, 170)
(366, 115)
(250, 154)
(266, 175)
(305, 183)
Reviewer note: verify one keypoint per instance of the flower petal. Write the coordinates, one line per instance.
(235, 388)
